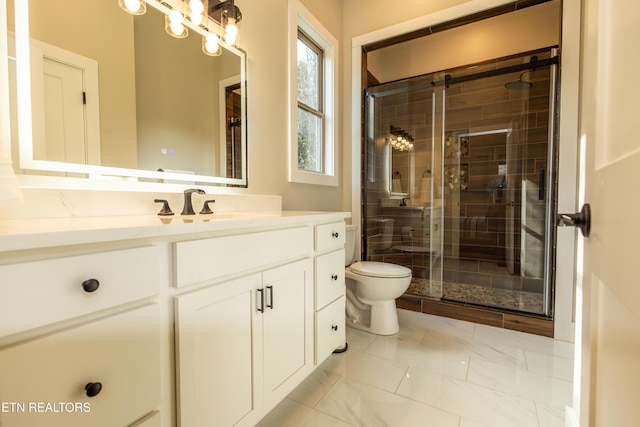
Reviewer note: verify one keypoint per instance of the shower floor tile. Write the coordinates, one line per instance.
(493, 297)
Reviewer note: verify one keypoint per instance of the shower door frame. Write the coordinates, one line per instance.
(550, 176)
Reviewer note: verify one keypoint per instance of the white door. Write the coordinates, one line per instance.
(64, 113)
(610, 291)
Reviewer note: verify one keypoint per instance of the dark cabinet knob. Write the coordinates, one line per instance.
(93, 389)
(334, 327)
(335, 234)
(334, 276)
(90, 285)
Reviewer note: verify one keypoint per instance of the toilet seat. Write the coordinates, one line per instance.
(379, 269)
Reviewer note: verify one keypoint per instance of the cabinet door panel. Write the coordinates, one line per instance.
(215, 345)
(287, 327)
(120, 352)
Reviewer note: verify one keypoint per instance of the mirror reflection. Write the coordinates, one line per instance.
(112, 89)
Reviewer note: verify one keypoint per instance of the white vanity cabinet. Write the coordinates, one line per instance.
(208, 323)
(244, 344)
(76, 347)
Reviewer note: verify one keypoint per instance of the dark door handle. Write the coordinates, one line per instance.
(261, 307)
(270, 303)
(582, 220)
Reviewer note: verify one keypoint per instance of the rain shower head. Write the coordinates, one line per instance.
(519, 84)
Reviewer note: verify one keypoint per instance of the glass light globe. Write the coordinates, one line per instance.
(230, 38)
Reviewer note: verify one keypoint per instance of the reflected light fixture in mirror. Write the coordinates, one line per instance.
(198, 12)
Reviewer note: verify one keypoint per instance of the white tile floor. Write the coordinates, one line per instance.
(436, 372)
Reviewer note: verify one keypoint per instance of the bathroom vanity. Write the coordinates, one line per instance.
(165, 321)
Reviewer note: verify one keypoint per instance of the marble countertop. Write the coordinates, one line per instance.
(25, 234)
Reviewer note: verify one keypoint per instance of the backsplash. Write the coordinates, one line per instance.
(54, 203)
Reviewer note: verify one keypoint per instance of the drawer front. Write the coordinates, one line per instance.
(206, 259)
(330, 329)
(52, 290)
(329, 278)
(122, 353)
(330, 236)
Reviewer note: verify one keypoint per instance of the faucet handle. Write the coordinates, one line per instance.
(166, 210)
(205, 208)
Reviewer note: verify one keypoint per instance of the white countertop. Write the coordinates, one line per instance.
(16, 234)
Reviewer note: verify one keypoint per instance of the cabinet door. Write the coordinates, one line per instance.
(215, 371)
(51, 378)
(287, 328)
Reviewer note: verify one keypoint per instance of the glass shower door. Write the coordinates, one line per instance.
(497, 156)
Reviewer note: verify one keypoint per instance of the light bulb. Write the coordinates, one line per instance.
(196, 6)
(177, 28)
(196, 18)
(211, 45)
(176, 17)
(134, 7)
(231, 28)
(230, 37)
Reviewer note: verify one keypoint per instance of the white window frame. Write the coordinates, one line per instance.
(300, 17)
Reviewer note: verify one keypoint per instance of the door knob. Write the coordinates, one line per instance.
(582, 220)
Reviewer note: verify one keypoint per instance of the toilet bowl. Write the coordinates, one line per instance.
(372, 288)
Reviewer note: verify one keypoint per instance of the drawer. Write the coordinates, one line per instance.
(52, 290)
(206, 259)
(122, 353)
(330, 236)
(330, 329)
(329, 278)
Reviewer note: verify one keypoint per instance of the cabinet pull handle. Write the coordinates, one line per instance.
(93, 389)
(335, 234)
(261, 308)
(334, 327)
(334, 276)
(90, 285)
(270, 303)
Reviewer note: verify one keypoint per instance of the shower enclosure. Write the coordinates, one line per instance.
(459, 181)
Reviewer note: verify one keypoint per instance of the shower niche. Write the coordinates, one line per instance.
(468, 205)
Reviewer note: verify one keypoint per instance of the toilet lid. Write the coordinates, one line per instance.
(379, 269)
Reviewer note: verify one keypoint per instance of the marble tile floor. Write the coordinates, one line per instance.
(436, 372)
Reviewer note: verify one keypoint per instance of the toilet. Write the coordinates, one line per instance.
(372, 288)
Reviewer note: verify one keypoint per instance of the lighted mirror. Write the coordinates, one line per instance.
(98, 92)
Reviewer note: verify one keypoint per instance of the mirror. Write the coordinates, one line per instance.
(151, 107)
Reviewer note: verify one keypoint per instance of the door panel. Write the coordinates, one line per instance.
(609, 282)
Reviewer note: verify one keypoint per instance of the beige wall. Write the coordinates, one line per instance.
(504, 35)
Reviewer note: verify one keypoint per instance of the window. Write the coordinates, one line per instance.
(310, 97)
(313, 126)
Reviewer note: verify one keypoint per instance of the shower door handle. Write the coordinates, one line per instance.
(582, 220)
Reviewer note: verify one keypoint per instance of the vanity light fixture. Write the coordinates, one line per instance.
(134, 7)
(201, 15)
(229, 20)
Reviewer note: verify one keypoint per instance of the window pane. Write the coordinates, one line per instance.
(308, 78)
(309, 141)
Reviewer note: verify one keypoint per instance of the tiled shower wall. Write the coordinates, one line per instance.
(476, 214)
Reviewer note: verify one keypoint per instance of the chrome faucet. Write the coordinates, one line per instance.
(188, 205)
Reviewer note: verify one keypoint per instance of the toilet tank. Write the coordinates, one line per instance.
(350, 244)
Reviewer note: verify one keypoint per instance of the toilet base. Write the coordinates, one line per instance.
(382, 319)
